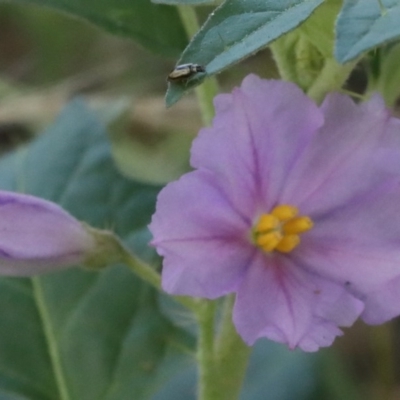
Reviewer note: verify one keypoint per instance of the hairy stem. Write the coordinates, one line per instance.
(332, 76)
(232, 355)
(223, 358)
(208, 380)
(151, 276)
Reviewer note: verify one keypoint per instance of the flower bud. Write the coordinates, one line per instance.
(38, 236)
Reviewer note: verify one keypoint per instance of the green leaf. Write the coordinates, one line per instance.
(362, 25)
(236, 30)
(156, 27)
(79, 335)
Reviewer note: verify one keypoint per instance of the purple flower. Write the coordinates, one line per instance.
(293, 207)
(38, 236)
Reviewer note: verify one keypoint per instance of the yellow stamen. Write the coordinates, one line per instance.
(267, 222)
(268, 241)
(284, 212)
(280, 229)
(297, 225)
(288, 243)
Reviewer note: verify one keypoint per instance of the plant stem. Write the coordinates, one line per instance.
(222, 361)
(208, 381)
(209, 88)
(51, 339)
(148, 274)
(205, 94)
(189, 20)
(332, 76)
(143, 270)
(283, 51)
(232, 355)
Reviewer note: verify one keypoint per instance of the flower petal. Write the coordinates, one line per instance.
(357, 244)
(383, 304)
(256, 136)
(203, 240)
(288, 304)
(339, 161)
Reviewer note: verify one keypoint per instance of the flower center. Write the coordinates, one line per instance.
(280, 230)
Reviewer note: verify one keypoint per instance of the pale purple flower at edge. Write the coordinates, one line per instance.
(38, 236)
(271, 145)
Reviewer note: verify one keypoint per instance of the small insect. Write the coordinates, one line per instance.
(184, 71)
